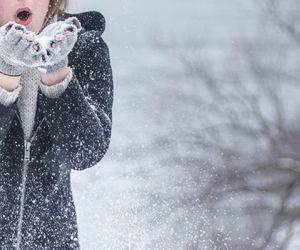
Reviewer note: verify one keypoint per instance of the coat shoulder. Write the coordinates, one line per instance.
(90, 20)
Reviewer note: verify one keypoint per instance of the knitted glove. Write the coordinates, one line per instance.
(16, 49)
(56, 41)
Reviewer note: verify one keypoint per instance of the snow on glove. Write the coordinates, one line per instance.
(16, 49)
(56, 41)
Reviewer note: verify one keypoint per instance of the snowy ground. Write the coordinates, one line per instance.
(132, 199)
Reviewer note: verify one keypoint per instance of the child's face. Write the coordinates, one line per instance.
(9, 12)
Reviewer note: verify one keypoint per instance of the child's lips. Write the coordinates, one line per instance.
(23, 16)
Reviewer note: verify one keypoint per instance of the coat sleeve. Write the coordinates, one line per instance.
(80, 119)
(8, 110)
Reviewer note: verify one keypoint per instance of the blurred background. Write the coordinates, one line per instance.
(205, 140)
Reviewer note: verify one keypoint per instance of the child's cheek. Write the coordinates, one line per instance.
(40, 12)
(6, 11)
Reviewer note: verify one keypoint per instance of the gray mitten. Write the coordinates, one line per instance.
(55, 43)
(16, 49)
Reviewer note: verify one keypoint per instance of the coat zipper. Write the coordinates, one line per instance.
(26, 160)
(24, 176)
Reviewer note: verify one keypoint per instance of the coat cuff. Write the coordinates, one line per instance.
(9, 97)
(54, 91)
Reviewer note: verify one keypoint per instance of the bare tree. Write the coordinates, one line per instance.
(244, 130)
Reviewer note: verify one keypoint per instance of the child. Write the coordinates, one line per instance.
(56, 95)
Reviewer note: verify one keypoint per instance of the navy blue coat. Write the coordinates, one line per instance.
(72, 131)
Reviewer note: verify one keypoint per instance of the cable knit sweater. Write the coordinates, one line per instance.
(27, 92)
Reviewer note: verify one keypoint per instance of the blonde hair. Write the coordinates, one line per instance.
(55, 8)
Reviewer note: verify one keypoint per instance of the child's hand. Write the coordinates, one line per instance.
(16, 49)
(56, 42)
(20, 48)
